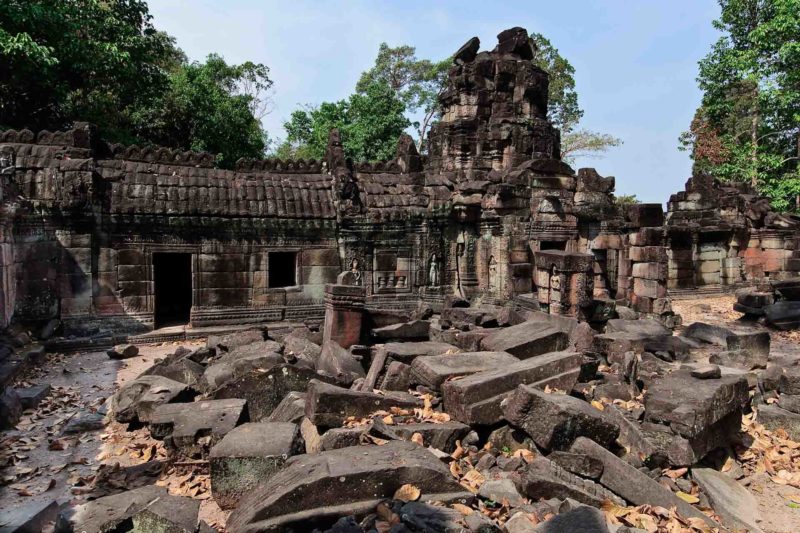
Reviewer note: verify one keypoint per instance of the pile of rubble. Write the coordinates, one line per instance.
(776, 303)
(477, 419)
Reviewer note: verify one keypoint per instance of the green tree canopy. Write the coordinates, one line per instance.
(370, 123)
(104, 62)
(206, 108)
(748, 125)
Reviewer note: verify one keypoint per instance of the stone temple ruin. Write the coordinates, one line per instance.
(480, 276)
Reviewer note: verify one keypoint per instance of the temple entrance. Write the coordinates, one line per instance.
(172, 273)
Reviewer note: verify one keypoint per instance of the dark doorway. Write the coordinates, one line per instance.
(282, 269)
(172, 273)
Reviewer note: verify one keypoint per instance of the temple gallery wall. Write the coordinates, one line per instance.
(135, 238)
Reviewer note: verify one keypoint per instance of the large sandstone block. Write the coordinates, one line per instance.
(434, 370)
(182, 426)
(318, 489)
(476, 399)
(544, 479)
(248, 455)
(526, 340)
(137, 399)
(554, 421)
(328, 405)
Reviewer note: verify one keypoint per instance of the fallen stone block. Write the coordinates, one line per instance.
(420, 516)
(337, 438)
(415, 330)
(339, 363)
(706, 372)
(519, 523)
(501, 491)
(643, 326)
(655, 445)
(789, 380)
(264, 390)
(315, 490)
(545, 479)
(184, 371)
(468, 341)
(736, 506)
(184, 426)
(248, 455)
(583, 518)
(291, 409)
(707, 333)
(84, 422)
(29, 518)
(433, 371)
(398, 377)
(577, 463)
(476, 399)
(406, 352)
(788, 289)
(31, 397)
(689, 405)
(783, 315)
(302, 347)
(636, 487)
(328, 405)
(774, 417)
(137, 399)
(440, 436)
(229, 341)
(148, 508)
(123, 351)
(526, 340)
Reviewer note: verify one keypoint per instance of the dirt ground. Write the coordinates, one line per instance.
(44, 464)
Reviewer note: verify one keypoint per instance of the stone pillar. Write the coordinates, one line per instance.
(565, 281)
(344, 309)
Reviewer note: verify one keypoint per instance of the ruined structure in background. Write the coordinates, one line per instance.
(128, 238)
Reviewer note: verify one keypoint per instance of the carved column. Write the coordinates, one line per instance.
(344, 309)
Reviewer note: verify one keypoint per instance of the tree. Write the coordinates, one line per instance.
(205, 108)
(370, 123)
(66, 60)
(748, 125)
(562, 107)
(416, 82)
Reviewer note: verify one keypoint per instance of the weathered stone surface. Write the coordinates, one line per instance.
(149, 508)
(527, 340)
(476, 399)
(440, 436)
(583, 518)
(248, 455)
(264, 391)
(317, 489)
(291, 409)
(734, 503)
(340, 364)
(578, 464)
(303, 348)
(406, 352)
(434, 370)
(336, 438)
(501, 491)
(519, 523)
(182, 426)
(545, 479)
(631, 484)
(398, 377)
(554, 421)
(783, 315)
(228, 342)
(646, 326)
(10, 408)
(706, 372)
(328, 405)
(231, 367)
(29, 518)
(416, 330)
(137, 399)
(774, 417)
(84, 422)
(789, 380)
(123, 351)
(183, 371)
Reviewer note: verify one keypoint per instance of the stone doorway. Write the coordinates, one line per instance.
(172, 273)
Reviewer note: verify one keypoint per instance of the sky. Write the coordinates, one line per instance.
(635, 60)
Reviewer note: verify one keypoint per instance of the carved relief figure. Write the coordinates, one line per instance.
(492, 274)
(433, 271)
(355, 271)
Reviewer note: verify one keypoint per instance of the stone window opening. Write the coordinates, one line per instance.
(282, 269)
(172, 276)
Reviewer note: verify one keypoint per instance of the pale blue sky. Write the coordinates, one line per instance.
(635, 60)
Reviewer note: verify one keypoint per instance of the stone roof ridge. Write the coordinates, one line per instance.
(282, 166)
(161, 155)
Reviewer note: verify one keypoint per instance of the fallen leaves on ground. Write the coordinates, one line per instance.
(772, 452)
(407, 493)
(654, 519)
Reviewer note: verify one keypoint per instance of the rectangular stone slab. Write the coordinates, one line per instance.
(181, 424)
(476, 399)
(328, 405)
(526, 340)
(636, 487)
(434, 370)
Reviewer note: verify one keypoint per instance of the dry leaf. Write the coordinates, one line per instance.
(688, 498)
(417, 439)
(597, 405)
(675, 474)
(407, 493)
(463, 509)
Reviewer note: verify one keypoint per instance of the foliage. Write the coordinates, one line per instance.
(416, 82)
(104, 62)
(748, 125)
(585, 143)
(205, 109)
(79, 60)
(370, 123)
(626, 199)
